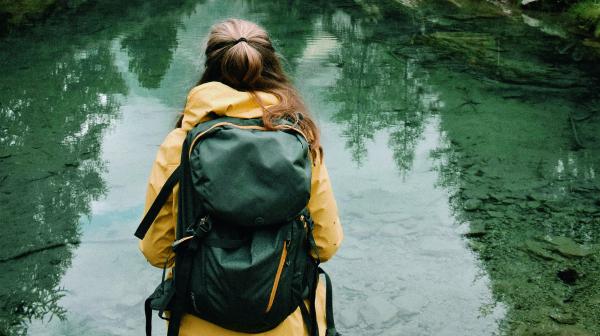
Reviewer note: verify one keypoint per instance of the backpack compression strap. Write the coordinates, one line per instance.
(330, 331)
(158, 203)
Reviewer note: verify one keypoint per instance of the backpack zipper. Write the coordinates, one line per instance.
(277, 276)
(260, 128)
(303, 220)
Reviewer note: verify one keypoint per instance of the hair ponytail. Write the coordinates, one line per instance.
(240, 54)
(241, 65)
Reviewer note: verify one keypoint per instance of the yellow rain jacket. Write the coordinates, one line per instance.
(205, 102)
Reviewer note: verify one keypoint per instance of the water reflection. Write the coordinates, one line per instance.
(521, 196)
(377, 90)
(295, 25)
(151, 46)
(59, 95)
(54, 113)
(521, 184)
(398, 226)
(150, 64)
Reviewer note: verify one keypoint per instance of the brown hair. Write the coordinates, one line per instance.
(240, 54)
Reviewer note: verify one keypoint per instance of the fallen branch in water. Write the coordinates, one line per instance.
(38, 249)
(471, 103)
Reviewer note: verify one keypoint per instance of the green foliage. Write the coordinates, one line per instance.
(588, 10)
(20, 11)
(16, 14)
(587, 14)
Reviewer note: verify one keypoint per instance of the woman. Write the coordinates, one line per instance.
(243, 78)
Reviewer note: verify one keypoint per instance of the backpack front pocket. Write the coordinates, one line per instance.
(247, 287)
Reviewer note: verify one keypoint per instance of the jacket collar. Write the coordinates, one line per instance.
(215, 99)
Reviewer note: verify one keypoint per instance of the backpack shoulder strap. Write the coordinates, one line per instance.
(158, 203)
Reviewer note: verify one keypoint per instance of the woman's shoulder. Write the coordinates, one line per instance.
(209, 88)
(169, 152)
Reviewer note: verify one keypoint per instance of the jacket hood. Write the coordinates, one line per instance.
(215, 99)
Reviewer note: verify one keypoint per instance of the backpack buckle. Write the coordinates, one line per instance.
(200, 229)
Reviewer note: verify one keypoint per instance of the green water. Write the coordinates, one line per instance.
(438, 121)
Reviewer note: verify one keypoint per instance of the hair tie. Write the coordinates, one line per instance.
(241, 39)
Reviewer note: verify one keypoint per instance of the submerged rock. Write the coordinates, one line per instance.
(476, 230)
(496, 214)
(589, 210)
(477, 246)
(552, 330)
(472, 204)
(483, 52)
(476, 45)
(563, 318)
(538, 249)
(568, 248)
(479, 193)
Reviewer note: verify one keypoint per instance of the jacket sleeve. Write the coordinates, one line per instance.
(156, 245)
(323, 210)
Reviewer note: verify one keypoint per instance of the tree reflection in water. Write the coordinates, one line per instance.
(377, 90)
(150, 47)
(55, 113)
(60, 92)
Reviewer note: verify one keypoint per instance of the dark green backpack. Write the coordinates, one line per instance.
(244, 234)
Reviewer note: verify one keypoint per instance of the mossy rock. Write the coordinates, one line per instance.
(588, 10)
(481, 51)
(539, 249)
(563, 318)
(569, 248)
(476, 46)
(548, 329)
